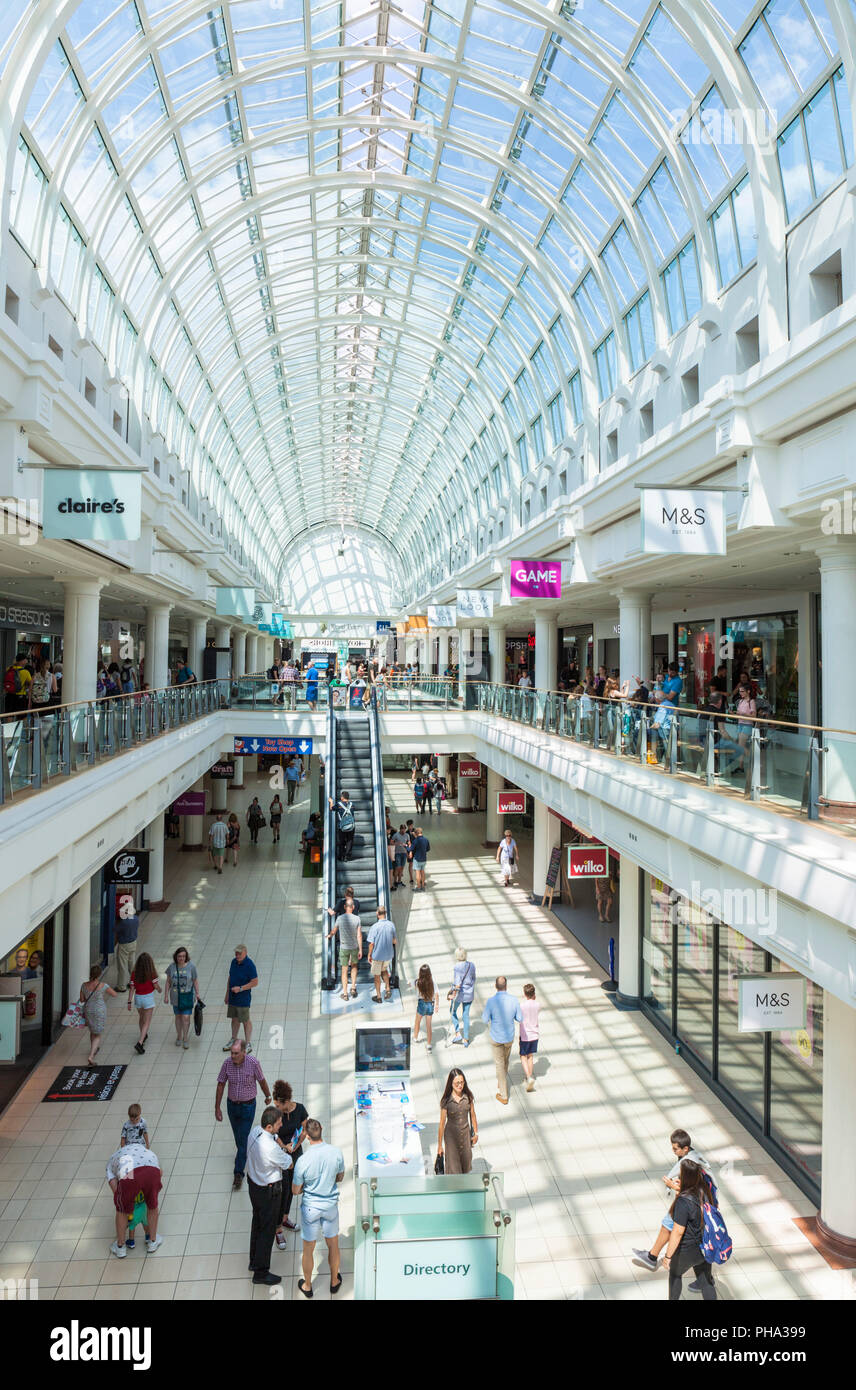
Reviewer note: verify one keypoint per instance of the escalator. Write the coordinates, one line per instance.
(355, 766)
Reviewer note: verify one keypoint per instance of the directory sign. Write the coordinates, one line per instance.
(271, 745)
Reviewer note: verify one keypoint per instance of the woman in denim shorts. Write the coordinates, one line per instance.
(427, 1001)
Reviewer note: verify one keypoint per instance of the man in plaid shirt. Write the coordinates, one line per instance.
(241, 1073)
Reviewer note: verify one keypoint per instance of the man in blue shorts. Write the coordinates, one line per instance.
(317, 1175)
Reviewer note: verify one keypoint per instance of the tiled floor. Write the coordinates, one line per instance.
(582, 1155)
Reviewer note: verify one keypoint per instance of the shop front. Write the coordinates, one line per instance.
(29, 631)
(519, 658)
(766, 648)
(695, 648)
(773, 1081)
(588, 907)
(576, 652)
(35, 973)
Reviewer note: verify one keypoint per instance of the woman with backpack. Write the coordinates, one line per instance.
(684, 1250)
(42, 687)
(419, 794)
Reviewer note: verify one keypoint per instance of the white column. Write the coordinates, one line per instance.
(219, 793)
(80, 642)
(634, 620)
(546, 653)
(547, 830)
(442, 651)
(239, 654)
(838, 1194)
(838, 657)
(196, 638)
(194, 826)
(496, 652)
(464, 650)
(443, 765)
(222, 635)
(251, 663)
(78, 939)
(628, 923)
(155, 845)
(238, 779)
(493, 820)
(157, 645)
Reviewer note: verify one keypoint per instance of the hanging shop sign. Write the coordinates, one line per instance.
(468, 768)
(263, 617)
(129, 866)
(236, 603)
(223, 769)
(768, 1003)
(588, 861)
(682, 521)
(85, 1083)
(536, 579)
(474, 603)
(91, 504)
(382, 628)
(271, 745)
(319, 644)
(510, 803)
(442, 615)
(190, 804)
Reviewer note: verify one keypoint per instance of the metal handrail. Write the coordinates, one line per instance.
(328, 896)
(378, 811)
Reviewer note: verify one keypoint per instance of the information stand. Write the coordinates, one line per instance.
(389, 1137)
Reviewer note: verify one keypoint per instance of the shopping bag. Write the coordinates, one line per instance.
(197, 1017)
(74, 1016)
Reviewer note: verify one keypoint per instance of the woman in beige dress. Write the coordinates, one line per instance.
(459, 1128)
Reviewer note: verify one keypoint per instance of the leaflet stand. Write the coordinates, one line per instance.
(388, 1138)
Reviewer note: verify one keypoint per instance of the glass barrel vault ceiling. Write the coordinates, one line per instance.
(365, 262)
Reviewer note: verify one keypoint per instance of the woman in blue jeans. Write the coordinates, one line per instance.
(461, 995)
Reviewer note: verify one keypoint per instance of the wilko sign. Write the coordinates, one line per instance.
(510, 803)
(468, 768)
(588, 861)
(536, 579)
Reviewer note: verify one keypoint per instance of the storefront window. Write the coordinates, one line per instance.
(741, 1055)
(695, 648)
(694, 960)
(27, 962)
(796, 1084)
(657, 951)
(767, 648)
(576, 652)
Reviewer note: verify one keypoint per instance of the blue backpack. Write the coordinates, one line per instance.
(716, 1247)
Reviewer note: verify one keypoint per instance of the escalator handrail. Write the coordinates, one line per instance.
(329, 893)
(378, 811)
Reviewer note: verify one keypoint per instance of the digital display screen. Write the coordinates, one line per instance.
(382, 1049)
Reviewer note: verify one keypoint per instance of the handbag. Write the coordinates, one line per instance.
(73, 1017)
(262, 821)
(439, 1165)
(197, 1017)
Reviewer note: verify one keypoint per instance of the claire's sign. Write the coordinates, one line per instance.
(536, 579)
(91, 504)
(588, 861)
(510, 803)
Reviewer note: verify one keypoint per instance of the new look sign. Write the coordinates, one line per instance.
(91, 504)
(681, 521)
(536, 579)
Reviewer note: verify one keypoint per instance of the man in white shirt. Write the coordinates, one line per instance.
(267, 1160)
(132, 1170)
(217, 836)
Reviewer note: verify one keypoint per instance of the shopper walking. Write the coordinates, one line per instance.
(428, 795)
(427, 1002)
(400, 847)
(312, 687)
(241, 1074)
(501, 1012)
(461, 996)
(182, 989)
(382, 944)
(294, 1117)
(233, 838)
(255, 820)
(682, 1148)
(684, 1248)
(267, 1162)
(604, 897)
(419, 794)
(217, 838)
(507, 858)
(529, 1033)
(292, 780)
(93, 997)
(349, 928)
(276, 817)
(419, 847)
(317, 1177)
(125, 934)
(243, 978)
(144, 985)
(459, 1127)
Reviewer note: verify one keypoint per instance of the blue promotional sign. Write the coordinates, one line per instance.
(382, 627)
(356, 695)
(280, 747)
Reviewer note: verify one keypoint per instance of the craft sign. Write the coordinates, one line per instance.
(271, 745)
(510, 803)
(223, 770)
(588, 861)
